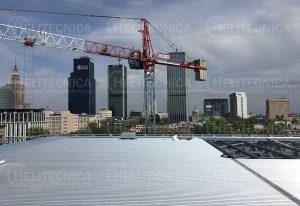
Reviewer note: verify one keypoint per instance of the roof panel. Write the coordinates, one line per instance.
(109, 171)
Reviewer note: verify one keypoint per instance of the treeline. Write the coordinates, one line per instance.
(108, 126)
(229, 125)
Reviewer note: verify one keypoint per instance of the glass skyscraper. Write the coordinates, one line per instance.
(82, 87)
(177, 103)
(117, 90)
(216, 107)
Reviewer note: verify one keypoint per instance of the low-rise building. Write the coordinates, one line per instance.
(54, 124)
(18, 121)
(162, 115)
(105, 114)
(2, 134)
(277, 109)
(84, 120)
(135, 116)
(216, 107)
(63, 123)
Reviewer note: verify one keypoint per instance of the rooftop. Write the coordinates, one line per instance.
(146, 171)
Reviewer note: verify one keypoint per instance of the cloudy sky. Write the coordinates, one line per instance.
(250, 46)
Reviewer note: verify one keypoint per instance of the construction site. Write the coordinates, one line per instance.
(143, 59)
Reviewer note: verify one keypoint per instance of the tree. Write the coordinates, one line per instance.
(294, 122)
(35, 131)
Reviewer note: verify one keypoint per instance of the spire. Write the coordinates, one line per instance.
(15, 75)
(15, 70)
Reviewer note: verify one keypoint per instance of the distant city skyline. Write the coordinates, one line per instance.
(231, 38)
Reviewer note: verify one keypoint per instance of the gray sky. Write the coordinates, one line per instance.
(250, 46)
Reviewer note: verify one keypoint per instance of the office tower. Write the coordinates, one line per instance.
(177, 102)
(277, 109)
(117, 90)
(12, 96)
(216, 107)
(82, 87)
(238, 105)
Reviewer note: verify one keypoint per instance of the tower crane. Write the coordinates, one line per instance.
(144, 59)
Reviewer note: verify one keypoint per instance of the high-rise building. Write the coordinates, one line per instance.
(117, 90)
(177, 102)
(82, 87)
(238, 105)
(12, 96)
(216, 107)
(7, 98)
(277, 109)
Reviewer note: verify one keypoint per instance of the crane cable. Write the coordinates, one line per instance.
(163, 36)
(167, 40)
(68, 14)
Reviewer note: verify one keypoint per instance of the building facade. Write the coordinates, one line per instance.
(82, 87)
(18, 121)
(177, 100)
(105, 114)
(163, 115)
(84, 120)
(54, 124)
(63, 123)
(7, 98)
(117, 91)
(277, 109)
(238, 105)
(12, 96)
(136, 116)
(2, 134)
(215, 107)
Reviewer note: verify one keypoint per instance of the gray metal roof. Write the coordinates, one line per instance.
(109, 171)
